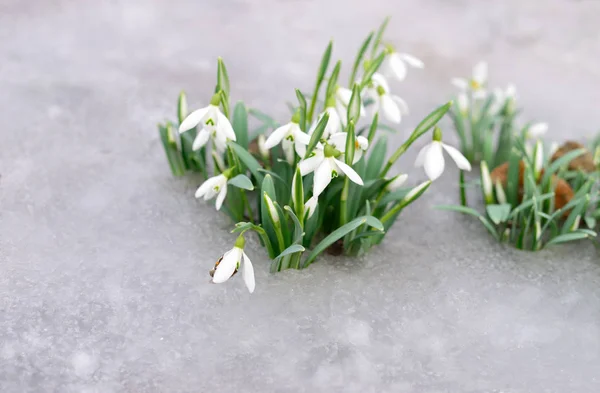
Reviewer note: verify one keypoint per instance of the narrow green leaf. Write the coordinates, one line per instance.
(320, 76)
(359, 56)
(563, 161)
(379, 35)
(350, 143)
(241, 181)
(354, 105)
(248, 160)
(222, 77)
(240, 124)
(498, 213)
(298, 231)
(294, 248)
(167, 136)
(373, 128)
(302, 102)
(372, 69)
(512, 187)
(568, 237)
(376, 158)
(317, 134)
(332, 82)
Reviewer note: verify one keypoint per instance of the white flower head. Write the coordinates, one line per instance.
(229, 264)
(262, 148)
(215, 186)
(214, 124)
(325, 164)
(334, 123)
(396, 63)
(342, 100)
(431, 157)
(391, 106)
(338, 141)
(291, 137)
(476, 83)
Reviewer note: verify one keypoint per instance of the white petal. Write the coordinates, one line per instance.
(288, 150)
(311, 205)
(277, 136)
(460, 160)
(461, 83)
(333, 124)
(193, 119)
(338, 141)
(379, 80)
(358, 153)
(221, 197)
(480, 72)
(401, 105)
(322, 177)
(351, 173)
(511, 91)
(390, 109)
(463, 102)
(397, 66)
(200, 139)
(479, 94)
(248, 273)
(300, 148)
(434, 161)
(342, 112)
(538, 129)
(206, 186)
(397, 182)
(310, 164)
(420, 160)
(224, 126)
(228, 264)
(220, 142)
(343, 95)
(411, 60)
(300, 136)
(363, 143)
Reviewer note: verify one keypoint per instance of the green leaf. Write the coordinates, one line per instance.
(320, 76)
(376, 158)
(568, 237)
(302, 101)
(241, 181)
(372, 69)
(317, 134)
(240, 124)
(373, 128)
(429, 121)
(396, 195)
(556, 165)
(498, 213)
(512, 187)
(182, 108)
(298, 231)
(222, 77)
(353, 112)
(248, 160)
(332, 83)
(467, 210)
(167, 136)
(379, 35)
(298, 193)
(529, 203)
(294, 248)
(350, 143)
(359, 56)
(340, 233)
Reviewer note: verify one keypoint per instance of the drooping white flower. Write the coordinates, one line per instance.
(476, 83)
(431, 157)
(214, 186)
(230, 263)
(338, 141)
(334, 123)
(391, 106)
(342, 100)
(214, 124)
(396, 182)
(326, 166)
(310, 206)
(291, 137)
(395, 64)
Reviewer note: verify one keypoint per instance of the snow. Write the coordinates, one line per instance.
(104, 257)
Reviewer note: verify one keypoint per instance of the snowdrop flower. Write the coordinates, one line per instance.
(432, 159)
(396, 62)
(476, 84)
(291, 138)
(334, 123)
(342, 100)
(338, 141)
(262, 149)
(463, 103)
(396, 182)
(536, 130)
(325, 165)
(391, 106)
(486, 183)
(310, 206)
(214, 124)
(215, 186)
(229, 264)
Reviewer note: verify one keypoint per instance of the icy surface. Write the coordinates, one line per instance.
(104, 256)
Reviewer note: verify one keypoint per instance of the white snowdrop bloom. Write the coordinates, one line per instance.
(310, 206)
(342, 100)
(334, 123)
(338, 141)
(326, 166)
(462, 101)
(229, 264)
(431, 157)
(214, 124)
(262, 149)
(486, 183)
(476, 83)
(397, 182)
(291, 137)
(396, 64)
(537, 130)
(391, 106)
(214, 186)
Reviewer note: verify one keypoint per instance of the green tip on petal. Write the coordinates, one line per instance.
(240, 242)
(216, 99)
(380, 90)
(437, 134)
(227, 173)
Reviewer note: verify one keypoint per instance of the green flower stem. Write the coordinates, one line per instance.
(344, 202)
(247, 206)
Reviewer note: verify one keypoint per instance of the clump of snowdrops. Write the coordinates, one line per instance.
(318, 180)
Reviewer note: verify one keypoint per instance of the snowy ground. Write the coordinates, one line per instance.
(104, 257)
